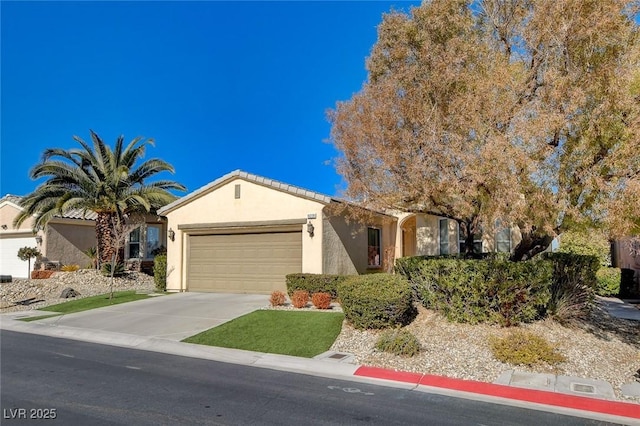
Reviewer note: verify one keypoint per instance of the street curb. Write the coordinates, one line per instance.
(621, 412)
(581, 403)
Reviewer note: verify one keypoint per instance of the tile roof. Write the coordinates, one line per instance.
(70, 214)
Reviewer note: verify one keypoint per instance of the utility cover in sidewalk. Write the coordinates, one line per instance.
(336, 357)
(584, 387)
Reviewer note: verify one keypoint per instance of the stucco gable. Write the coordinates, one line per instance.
(249, 177)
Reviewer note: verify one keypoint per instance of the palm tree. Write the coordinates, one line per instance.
(111, 183)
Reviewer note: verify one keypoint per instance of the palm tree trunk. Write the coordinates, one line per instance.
(105, 238)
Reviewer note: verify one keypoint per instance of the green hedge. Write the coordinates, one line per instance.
(570, 269)
(473, 291)
(314, 283)
(376, 301)
(608, 282)
(497, 290)
(160, 272)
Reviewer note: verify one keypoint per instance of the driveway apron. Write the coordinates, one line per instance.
(172, 317)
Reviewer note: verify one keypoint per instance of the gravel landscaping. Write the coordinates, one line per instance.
(88, 282)
(600, 347)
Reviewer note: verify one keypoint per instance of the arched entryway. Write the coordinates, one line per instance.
(408, 227)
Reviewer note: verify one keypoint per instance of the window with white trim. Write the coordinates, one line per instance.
(477, 241)
(144, 242)
(152, 239)
(133, 244)
(444, 236)
(374, 253)
(503, 239)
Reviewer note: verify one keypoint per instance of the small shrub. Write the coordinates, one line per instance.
(69, 268)
(160, 272)
(118, 271)
(608, 282)
(524, 348)
(376, 301)
(300, 298)
(398, 342)
(277, 298)
(314, 283)
(41, 275)
(321, 300)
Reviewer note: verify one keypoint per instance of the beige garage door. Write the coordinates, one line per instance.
(243, 263)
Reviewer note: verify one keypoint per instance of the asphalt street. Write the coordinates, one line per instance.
(86, 383)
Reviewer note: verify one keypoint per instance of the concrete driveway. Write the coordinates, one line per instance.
(173, 317)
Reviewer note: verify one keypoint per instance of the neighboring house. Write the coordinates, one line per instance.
(65, 239)
(244, 233)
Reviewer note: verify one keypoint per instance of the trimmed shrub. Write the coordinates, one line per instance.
(398, 342)
(376, 301)
(314, 283)
(608, 282)
(41, 275)
(524, 348)
(494, 290)
(69, 268)
(118, 271)
(160, 272)
(321, 300)
(300, 298)
(278, 298)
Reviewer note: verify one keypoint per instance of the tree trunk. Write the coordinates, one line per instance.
(105, 237)
(532, 243)
(468, 229)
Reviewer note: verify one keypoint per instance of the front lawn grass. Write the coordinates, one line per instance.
(304, 334)
(94, 302)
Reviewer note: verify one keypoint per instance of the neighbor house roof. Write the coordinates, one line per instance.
(280, 186)
(70, 214)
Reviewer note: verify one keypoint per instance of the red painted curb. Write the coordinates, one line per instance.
(521, 394)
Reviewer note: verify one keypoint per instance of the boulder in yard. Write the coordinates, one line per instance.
(68, 293)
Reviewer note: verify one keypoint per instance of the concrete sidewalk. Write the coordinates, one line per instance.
(158, 324)
(619, 309)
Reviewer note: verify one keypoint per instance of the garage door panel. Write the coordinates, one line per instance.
(251, 263)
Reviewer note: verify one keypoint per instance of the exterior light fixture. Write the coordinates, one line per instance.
(39, 239)
(172, 234)
(310, 228)
(4, 227)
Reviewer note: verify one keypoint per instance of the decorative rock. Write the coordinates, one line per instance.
(69, 292)
(86, 282)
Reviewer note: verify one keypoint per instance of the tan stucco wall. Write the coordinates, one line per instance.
(8, 213)
(427, 235)
(65, 240)
(257, 203)
(346, 244)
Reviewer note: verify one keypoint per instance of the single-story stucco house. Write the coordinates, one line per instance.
(65, 239)
(244, 233)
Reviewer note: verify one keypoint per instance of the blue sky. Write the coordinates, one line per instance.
(219, 85)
